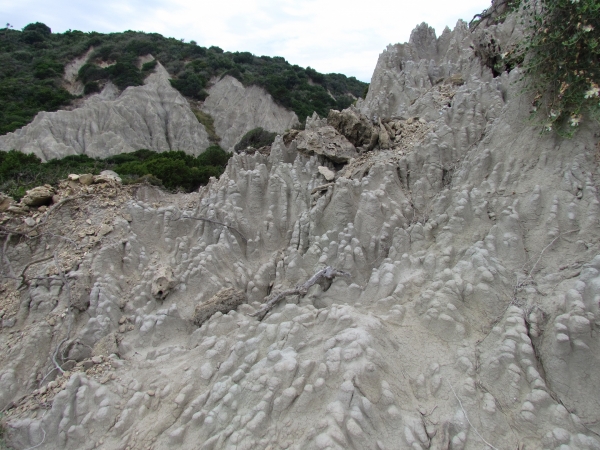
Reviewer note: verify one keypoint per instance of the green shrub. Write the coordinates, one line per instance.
(562, 62)
(149, 66)
(91, 87)
(173, 170)
(38, 27)
(191, 85)
(258, 137)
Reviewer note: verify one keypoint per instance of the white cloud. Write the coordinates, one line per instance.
(329, 35)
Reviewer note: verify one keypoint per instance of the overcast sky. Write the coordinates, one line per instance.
(328, 35)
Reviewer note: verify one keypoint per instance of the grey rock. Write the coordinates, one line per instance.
(356, 127)
(86, 179)
(5, 202)
(38, 196)
(162, 283)
(326, 141)
(106, 346)
(107, 176)
(327, 173)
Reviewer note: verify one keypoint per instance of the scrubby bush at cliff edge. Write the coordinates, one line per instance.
(562, 62)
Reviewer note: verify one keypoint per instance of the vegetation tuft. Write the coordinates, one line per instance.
(32, 64)
(209, 124)
(256, 138)
(173, 170)
(562, 62)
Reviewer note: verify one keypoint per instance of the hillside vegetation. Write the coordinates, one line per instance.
(173, 170)
(32, 64)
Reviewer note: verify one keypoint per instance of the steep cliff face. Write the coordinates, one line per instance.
(469, 317)
(154, 116)
(237, 109)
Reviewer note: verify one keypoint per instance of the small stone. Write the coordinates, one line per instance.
(9, 323)
(69, 365)
(18, 209)
(5, 202)
(107, 176)
(127, 217)
(86, 179)
(73, 177)
(151, 393)
(104, 229)
(327, 173)
(88, 221)
(97, 359)
(30, 222)
(87, 364)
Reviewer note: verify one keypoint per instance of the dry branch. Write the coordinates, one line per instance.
(22, 276)
(467, 417)
(204, 219)
(323, 276)
(322, 188)
(68, 292)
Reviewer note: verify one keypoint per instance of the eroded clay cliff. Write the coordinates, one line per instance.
(469, 317)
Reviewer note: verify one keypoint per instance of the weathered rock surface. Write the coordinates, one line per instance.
(326, 141)
(355, 127)
(237, 109)
(469, 320)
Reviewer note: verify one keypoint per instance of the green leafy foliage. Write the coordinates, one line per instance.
(209, 124)
(562, 62)
(173, 170)
(258, 137)
(32, 64)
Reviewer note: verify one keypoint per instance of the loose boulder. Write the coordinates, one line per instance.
(38, 196)
(355, 127)
(328, 142)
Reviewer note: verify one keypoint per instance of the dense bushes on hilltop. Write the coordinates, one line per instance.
(174, 170)
(32, 64)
